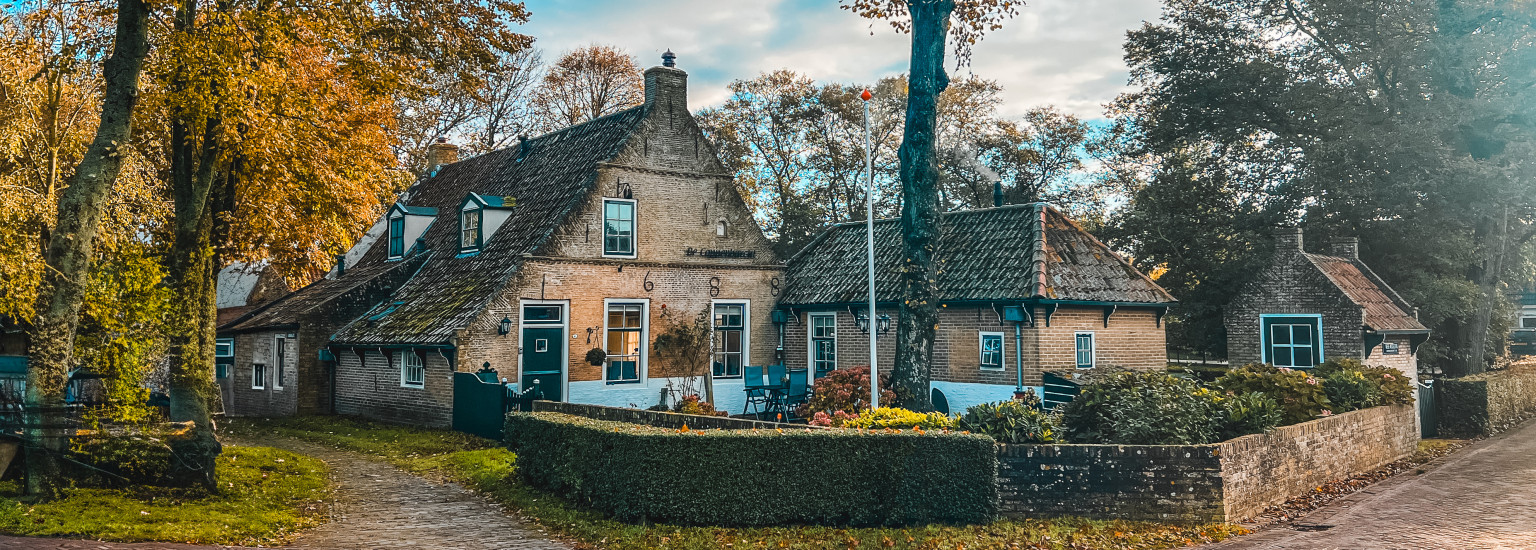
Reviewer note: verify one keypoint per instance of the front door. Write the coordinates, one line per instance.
(543, 360)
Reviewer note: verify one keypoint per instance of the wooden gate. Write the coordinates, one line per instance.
(479, 407)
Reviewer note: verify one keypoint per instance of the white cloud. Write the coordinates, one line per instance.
(1062, 52)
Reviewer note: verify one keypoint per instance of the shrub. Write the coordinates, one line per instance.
(844, 390)
(1348, 390)
(1391, 386)
(693, 405)
(1142, 409)
(1299, 394)
(1248, 413)
(1009, 422)
(892, 417)
(643, 473)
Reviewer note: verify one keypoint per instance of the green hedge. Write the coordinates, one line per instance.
(758, 477)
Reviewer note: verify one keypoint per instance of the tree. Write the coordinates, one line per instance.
(929, 22)
(683, 347)
(484, 113)
(71, 245)
(588, 83)
(1405, 123)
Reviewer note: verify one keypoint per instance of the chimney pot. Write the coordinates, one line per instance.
(997, 193)
(668, 59)
(341, 264)
(1346, 247)
(666, 87)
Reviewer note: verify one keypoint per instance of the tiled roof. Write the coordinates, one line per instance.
(285, 311)
(1384, 309)
(993, 254)
(546, 182)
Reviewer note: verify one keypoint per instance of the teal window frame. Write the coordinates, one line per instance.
(619, 228)
(396, 236)
(413, 371)
(991, 350)
(1300, 331)
(223, 356)
(1086, 357)
(823, 343)
(471, 237)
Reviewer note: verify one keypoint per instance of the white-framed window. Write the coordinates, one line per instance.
(224, 347)
(1528, 321)
(258, 376)
(279, 361)
(413, 374)
(1085, 350)
(619, 228)
(625, 337)
(1294, 341)
(992, 350)
(730, 341)
(396, 235)
(470, 221)
(823, 328)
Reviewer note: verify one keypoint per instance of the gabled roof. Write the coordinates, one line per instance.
(1385, 310)
(415, 210)
(1008, 253)
(285, 312)
(546, 177)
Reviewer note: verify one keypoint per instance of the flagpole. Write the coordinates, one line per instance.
(869, 223)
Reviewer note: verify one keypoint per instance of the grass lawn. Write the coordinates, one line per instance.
(265, 494)
(487, 467)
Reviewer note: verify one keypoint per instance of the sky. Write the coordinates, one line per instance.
(1065, 53)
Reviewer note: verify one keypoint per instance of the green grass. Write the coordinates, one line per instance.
(486, 467)
(265, 495)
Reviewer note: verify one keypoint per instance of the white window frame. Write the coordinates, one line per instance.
(279, 356)
(258, 376)
(390, 235)
(1523, 318)
(810, 338)
(222, 342)
(746, 335)
(479, 227)
(634, 229)
(645, 341)
(1002, 350)
(405, 358)
(1093, 349)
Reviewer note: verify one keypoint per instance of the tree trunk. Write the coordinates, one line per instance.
(919, 317)
(70, 248)
(1476, 357)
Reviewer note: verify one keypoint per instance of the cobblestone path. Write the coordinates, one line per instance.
(1482, 497)
(378, 507)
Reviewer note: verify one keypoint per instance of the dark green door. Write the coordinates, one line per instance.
(542, 360)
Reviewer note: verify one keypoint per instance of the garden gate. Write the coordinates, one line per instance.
(1429, 422)
(479, 405)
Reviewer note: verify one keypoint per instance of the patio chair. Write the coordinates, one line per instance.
(774, 389)
(797, 391)
(756, 388)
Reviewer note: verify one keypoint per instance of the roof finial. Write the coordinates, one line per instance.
(668, 59)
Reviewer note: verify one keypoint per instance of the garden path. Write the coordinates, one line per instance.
(1482, 497)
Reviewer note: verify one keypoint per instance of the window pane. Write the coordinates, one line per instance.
(1528, 322)
(1281, 356)
(541, 313)
(1301, 335)
(1280, 334)
(1302, 356)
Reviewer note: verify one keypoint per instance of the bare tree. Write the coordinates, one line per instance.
(588, 83)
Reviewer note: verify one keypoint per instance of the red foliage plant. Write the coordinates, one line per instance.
(845, 390)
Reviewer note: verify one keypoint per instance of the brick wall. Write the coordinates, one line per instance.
(370, 386)
(1293, 285)
(1133, 340)
(1485, 403)
(1229, 481)
(254, 348)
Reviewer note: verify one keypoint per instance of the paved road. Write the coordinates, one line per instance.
(1483, 497)
(378, 507)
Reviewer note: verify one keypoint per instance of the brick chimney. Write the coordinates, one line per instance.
(1346, 247)
(439, 153)
(666, 86)
(1287, 242)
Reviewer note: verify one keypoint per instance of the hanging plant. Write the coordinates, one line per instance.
(597, 356)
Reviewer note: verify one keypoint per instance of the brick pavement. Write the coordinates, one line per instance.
(377, 507)
(1482, 497)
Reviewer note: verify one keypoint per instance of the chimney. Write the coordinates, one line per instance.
(341, 265)
(440, 153)
(1346, 247)
(666, 87)
(1287, 241)
(997, 193)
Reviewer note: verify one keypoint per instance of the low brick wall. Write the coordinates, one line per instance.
(1229, 481)
(657, 418)
(1485, 403)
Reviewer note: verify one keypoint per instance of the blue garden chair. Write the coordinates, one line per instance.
(756, 388)
(795, 394)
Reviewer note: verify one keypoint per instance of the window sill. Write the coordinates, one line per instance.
(620, 256)
(621, 382)
(413, 386)
(992, 369)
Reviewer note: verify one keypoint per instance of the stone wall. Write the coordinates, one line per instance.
(270, 399)
(660, 419)
(1486, 403)
(1229, 481)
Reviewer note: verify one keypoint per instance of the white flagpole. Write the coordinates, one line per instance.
(869, 222)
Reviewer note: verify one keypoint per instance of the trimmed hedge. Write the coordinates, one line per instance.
(758, 477)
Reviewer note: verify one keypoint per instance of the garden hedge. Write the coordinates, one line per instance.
(758, 477)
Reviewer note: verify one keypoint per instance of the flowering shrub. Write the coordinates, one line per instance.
(1010, 421)
(892, 417)
(844, 390)
(836, 419)
(1385, 385)
(693, 405)
(1301, 395)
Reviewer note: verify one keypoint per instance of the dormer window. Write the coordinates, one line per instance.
(619, 228)
(396, 235)
(469, 229)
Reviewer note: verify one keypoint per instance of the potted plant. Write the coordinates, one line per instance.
(597, 356)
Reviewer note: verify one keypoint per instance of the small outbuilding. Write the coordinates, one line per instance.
(1308, 308)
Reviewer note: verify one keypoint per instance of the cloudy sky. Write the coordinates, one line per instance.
(1061, 52)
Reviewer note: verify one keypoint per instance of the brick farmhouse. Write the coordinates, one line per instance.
(593, 239)
(1307, 308)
